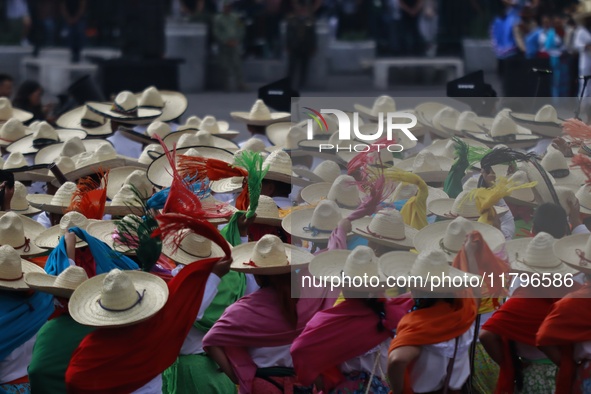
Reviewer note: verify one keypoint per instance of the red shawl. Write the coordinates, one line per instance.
(568, 323)
(341, 333)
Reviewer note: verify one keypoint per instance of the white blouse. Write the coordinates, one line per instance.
(366, 362)
(15, 365)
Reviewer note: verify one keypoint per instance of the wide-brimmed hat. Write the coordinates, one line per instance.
(219, 128)
(557, 165)
(429, 167)
(314, 223)
(536, 255)
(62, 285)
(545, 122)
(326, 171)
(159, 171)
(447, 147)
(19, 232)
(22, 171)
(268, 256)
(150, 153)
(359, 264)
(12, 130)
(524, 196)
(56, 203)
(105, 157)
(420, 270)
(286, 135)
(172, 104)
(382, 104)
(442, 115)
(404, 191)
(449, 236)
(260, 115)
(118, 298)
(107, 231)
(125, 202)
(50, 238)
(70, 148)
(504, 130)
(43, 135)
(19, 203)
(387, 228)
(279, 167)
(7, 111)
(13, 269)
(228, 185)
(425, 112)
(267, 212)
(129, 175)
(192, 248)
(156, 128)
(462, 205)
(192, 123)
(456, 124)
(125, 109)
(574, 250)
(83, 118)
(584, 197)
(182, 139)
(343, 191)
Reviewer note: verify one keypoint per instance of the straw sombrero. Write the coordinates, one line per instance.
(218, 128)
(268, 256)
(12, 130)
(584, 197)
(192, 248)
(387, 228)
(449, 236)
(557, 165)
(50, 238)
(118, 298)
(150, 153)
(135, 176)
(456, 124)
(267, 212)
(357, 266)
(314, 223)
(429, 167)
(343, 191)
(56, 203)
(44, 134)
(89, 163)
(447, 147)
(83, 118)
(260, 115)
(69, 148)
(382, 104)
(525, 196)
(172, 104)
(536, 255)
(425, 112)
(575, 250)
(280, 168)
(7, 111)
(125, 109)
(286, 135)
(462, 206)
(228, 185)
(19, 203)
(404, 191)
(326, 171)
(125, 202)
(18, 165)
(182, 139)
(19, 232)
(156, 128)
(545, 122)
(504, 130)
(106, 231)
(13, 269)
(62, 285)
(159, 171)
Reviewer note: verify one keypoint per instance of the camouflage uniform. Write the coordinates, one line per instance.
(228, 27)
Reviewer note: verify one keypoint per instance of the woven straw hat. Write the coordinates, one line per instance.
(228, 185)
(12, 130)
(156, 128)
(456, 125)
(13, 269)
(84, 119)
(504, 130)
(429, 167)
(150, 153)
(343, 191)
(545, 122)
(268, 256)
(557, 165)
(192, 123)
(43, 134)
(326, 171)
(449, 236)
(129, 175)
(106, 231)
(441, 115)
(172, 104)
(260, 115)
(536, 255)
(118, 298)
(184, 139)
(8, 112)
(253, 144)
(280, 167)
(56, 203)
(19, 203)
(286, 135)
(15, 160)
(387, 228)
(159, 171)
(125, 109)
(62, 285)
(267, 212)
(382, 104)
(124, 202)
(360, 263)
(584, 197)
(19, 232)
(426, 111)
(103, 158)
(64, 164)
(575, 250)
(462, 206)
(314, 223)
(193, 248)
(70, 148)
(404, 191)
(50, 238)
(446, 147)
(521, 196)
(218, 128)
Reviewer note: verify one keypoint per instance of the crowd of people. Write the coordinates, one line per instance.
(143, 250)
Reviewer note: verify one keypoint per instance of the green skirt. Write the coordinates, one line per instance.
(196, 373)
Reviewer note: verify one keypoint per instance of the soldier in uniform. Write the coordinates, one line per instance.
(228, 32)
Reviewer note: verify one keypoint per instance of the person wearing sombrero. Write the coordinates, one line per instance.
(510, 333)
(344, 348)
(251, 340)
(259, 117)
(22, 313)
(60, 336)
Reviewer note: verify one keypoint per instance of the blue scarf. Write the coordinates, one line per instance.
(21, 317)
(158, 200)
(105, 258)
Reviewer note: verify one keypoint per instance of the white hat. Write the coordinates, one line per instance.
(326, 171)
(504, 130)
(218, 128)
(150, 153)
(429, 167)
(465, 121)
(8, 112)
(404, 191)
(253, 144)
(118, 298)
(156, 128)
(19, 203)
(387, 228)
(192, 123)
(62, 285)
(462, 205)
(129, 176)
(260, 115)
(449, 236)
(536, 255)
(268, 256)
(556, 164)
(524, 196)
(125, 109)
(584, 197)
(43, 134)
(124, 202)
(107, 231)
(267, 212)
(192, 248)
(70, 148)
(56, 203)
(279, 167)
(575, 250)
(545, 122)
(343, 191)
(50, 238)
(286, 135)
(444, 114)
(13, 269)
(172, 104)
(65, 164)
(185, 139)
(12, 130)
(314, 223)
(382, 104)
(447, 147)
(84, 119)
(15, 161)
(425, 113)
(19, 231)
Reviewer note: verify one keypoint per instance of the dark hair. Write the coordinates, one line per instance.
(5, 77)
(552, 219)
(21, 99)
(282, 286)
(377, 306)
(423, 303)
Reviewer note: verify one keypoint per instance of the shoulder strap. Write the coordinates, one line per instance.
(450, 368)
